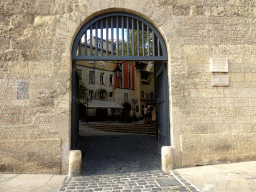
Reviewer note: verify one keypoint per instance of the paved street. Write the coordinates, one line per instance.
(125, 162)
(30, 182)
(233, 177)
(122, 163)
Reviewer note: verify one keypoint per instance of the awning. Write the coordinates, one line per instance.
(103, 104)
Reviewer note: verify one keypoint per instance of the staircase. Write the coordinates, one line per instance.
(136, 128)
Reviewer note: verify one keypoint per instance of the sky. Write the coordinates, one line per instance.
(109, 34)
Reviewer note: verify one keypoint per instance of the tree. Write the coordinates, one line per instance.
(151, 79)
(81, 88)
(148, 43)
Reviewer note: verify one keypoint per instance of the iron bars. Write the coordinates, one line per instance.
(119, 36)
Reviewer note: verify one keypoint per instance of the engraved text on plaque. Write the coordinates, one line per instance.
(220, 80)
(219, 64)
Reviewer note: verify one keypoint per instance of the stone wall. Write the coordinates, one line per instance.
(209, 124)
(212, 124)
(35, 89)
(119, 96)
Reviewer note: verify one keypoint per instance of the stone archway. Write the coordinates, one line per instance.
(101, 94)
(162, 51)
(142, 41)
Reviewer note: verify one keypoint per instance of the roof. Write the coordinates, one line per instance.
(103, 104)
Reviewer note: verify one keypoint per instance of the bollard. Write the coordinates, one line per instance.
(75, 163)
(167, 158)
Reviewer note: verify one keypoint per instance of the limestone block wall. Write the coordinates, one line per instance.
(35, 78)
(212, 124)
(208, 124)
(35, 89)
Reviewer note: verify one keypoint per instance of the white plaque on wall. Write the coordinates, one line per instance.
(220, 80)
(219, 64)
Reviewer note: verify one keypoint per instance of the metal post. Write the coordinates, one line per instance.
(87, 102)
(134, 101)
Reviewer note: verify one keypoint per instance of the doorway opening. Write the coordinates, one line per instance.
(120, 55)
(126, 112)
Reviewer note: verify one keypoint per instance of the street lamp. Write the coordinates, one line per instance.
(117, 70)
(139, 65)
(134, 101)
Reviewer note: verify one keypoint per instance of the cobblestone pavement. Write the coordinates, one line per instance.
(123, 163)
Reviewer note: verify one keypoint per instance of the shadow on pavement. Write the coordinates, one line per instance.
(115, 154)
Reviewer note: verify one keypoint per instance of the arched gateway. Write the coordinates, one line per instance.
(125, 37)
(121, 30)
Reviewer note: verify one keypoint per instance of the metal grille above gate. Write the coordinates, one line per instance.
(119, 36)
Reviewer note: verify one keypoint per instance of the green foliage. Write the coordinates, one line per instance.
(148, 39)
(148, 46)
(151, 79)
(81, 88)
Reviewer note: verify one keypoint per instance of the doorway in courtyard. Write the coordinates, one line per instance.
(121, 59)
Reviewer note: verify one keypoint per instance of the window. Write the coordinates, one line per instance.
(126, 95)
(102, 95)
(142, 94)
(145, 83)
(137, 108)
(110, 94)
(91, 76)
(99, 44)
(101, 78)
(111, 79)
(90, 94)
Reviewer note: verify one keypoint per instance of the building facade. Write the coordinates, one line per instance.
(211, 78)
(145, 89)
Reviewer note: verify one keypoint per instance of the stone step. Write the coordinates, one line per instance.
(133, 128)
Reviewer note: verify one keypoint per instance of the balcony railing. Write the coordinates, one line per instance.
(149, 98)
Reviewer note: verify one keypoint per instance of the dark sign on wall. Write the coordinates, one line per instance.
(22, 90)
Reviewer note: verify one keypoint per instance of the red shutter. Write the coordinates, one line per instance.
(117, 82)
(133, 75)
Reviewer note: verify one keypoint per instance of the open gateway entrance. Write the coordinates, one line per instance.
(122, 37)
